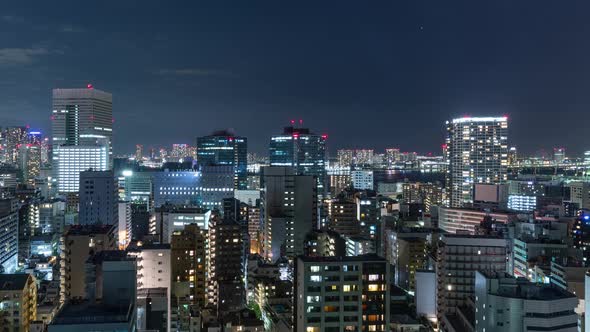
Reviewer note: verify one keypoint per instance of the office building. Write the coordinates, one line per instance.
(9, 235)
(171, 218)
(302, 150)
(76, 245)
(477, 153)
(98, 198)
(225, 148)
(289, 210)
(189, 268)
(82, 128)
(80, 116)
(70, 160)
(504, 303)
(362, 179)
(217, 184)
(458, 258)
(178, 187)
(18, 302)
(528, 252)
(341, 293)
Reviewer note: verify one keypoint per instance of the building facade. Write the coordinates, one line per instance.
(477, 153)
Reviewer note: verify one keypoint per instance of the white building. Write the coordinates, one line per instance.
(8, 237)
(124, 223)
(70, 160)
(477, 153)
(154, 269)
(462, 220)
(506, 304)
(362, 180)
(169, 219)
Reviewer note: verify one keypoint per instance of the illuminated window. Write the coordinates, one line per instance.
(374, 277)
(373, 287)
(314, 268)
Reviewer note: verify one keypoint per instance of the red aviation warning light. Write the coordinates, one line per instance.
(89, 86)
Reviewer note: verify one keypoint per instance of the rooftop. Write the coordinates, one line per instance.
(336, 259)
(89, 229)
(90, 313)
(521, 288)
(110, 255)
(10, 282)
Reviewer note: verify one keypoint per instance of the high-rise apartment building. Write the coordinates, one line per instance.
(154, 270)
(459, 257)
(98, 198)
(289, 211)
(9, 220)
(18, 302)
(77, 244)
(341, 294)
(188, 250)
(301, 149)
(225, 148)
(227, 265)
(345, 158)
(477, 153)
(392, 156)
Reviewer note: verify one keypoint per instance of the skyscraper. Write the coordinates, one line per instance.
(225, 148)
(80, 116)
(301, 149)
(82, 127)
(477, 153)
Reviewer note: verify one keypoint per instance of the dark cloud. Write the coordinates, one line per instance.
(20, 56)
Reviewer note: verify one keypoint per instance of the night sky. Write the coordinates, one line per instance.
(367, 73)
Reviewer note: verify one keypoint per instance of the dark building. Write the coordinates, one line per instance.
(301, 149)
(225, 148)
(226, 289)
(98, 198)
(361, 283)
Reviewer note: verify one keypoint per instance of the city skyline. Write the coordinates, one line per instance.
(389, 67)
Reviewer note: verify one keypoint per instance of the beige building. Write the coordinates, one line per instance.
(77, 244)
(18, 302)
